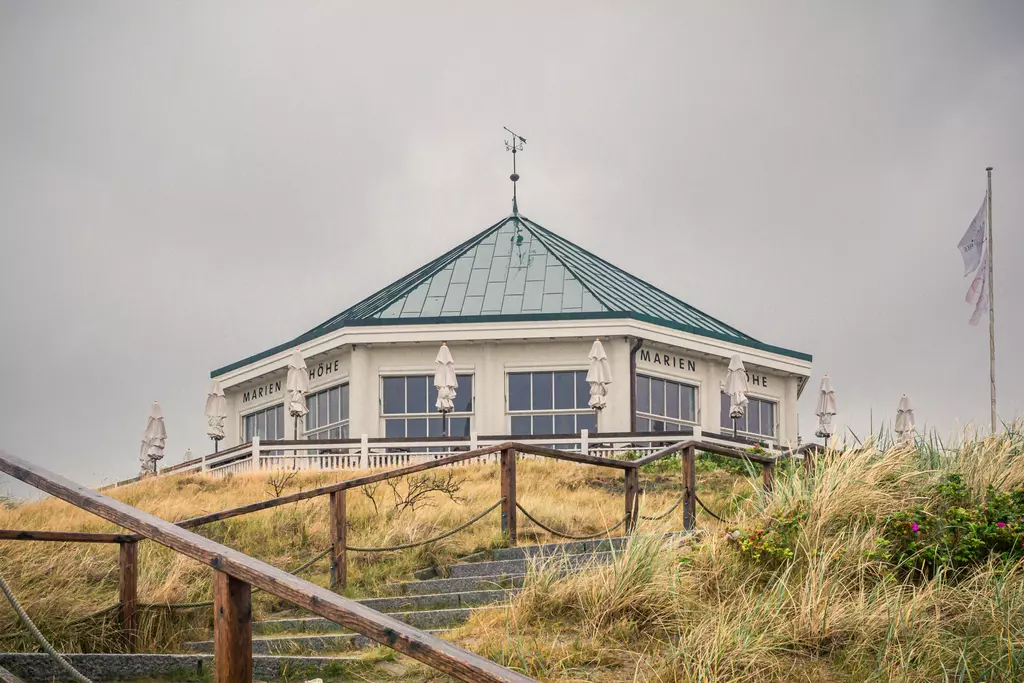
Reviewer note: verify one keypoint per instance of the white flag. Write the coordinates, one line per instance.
(974, 239)
(977, 295)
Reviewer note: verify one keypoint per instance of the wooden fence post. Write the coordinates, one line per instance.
(128, 591)
(689, 463)
(768, 475)
(232, 629)
(809, 463)
(508, 492)
(339, 540)
(632, 491)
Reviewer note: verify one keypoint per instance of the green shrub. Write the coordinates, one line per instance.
(772, 543)
(951, 531)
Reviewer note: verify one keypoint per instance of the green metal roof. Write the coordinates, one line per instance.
(518, 270)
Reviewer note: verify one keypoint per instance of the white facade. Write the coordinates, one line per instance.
(361, 356)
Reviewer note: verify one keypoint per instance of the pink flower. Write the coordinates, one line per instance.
(914, 527)
(1000, 524)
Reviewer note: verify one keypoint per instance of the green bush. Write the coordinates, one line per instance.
(773, 542)
(953, 532)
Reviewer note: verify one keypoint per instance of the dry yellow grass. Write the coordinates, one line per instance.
(703, 613)
(61, 583)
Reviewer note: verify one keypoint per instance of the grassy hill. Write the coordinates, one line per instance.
(896, 564)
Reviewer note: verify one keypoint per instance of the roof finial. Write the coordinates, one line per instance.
(515, 146)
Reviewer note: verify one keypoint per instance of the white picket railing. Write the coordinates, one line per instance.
(365, 453)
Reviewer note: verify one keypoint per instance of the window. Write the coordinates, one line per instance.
(408, 405)
(327, 416)
(542, 403)
(663, 405)
(758, 419)
(266, 424)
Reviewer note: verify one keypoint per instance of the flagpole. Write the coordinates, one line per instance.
(991, 308)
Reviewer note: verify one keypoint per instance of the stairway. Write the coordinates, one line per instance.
(439, 599)
(296, 645)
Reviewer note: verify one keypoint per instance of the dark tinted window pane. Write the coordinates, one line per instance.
(416, 394)
(344, 431)
(394, 429)
(394, 395)
(458, 426)
(519, 391)
(753, 417)
(436, 427)
(643, 424)
(768, 418)
(334, 401)
(687, 407)
(321, 408)
(261, 424)
(542, 391)
(643, 394)
(464, 395)
(726, 420)
(334, 433)
(565, 391)
(416, 427)
(311, 413)
(543, 424)
(520, 425)
(565, 424)
(280, 422)
(671, 399)
(582, 390)
(587, 421)
(344, 401)
(431, 396)
(657, 397)
(657, 426)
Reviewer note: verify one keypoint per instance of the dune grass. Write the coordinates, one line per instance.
(832, 611)
(64, 585)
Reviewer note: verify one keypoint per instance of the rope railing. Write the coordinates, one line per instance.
(43, 642)
(416, 544)
(571, 537)
(666, 513)
(708, 510)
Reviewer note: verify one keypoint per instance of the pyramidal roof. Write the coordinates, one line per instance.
(518, 270)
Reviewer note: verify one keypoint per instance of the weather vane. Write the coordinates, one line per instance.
(518, 141)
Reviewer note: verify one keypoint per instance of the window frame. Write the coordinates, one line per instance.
(344, 423)
(694, 384)
(763, 398)
(553, 412)
(243, 417)
(429, 374)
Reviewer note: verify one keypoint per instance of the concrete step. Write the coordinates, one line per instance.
(423, 619)
(301, 644)
(549, 549)
(462, 585)
(409, 603)
(521, 566)
(38, 666)
(315, 634)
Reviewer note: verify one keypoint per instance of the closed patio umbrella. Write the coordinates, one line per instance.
(905, 423)
(153, 439)
(736, 388)
(599, 376)
(216, 413)
(445, 382)
(297, 384)
(826, 409)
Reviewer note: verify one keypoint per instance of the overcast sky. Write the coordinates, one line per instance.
(184, 184)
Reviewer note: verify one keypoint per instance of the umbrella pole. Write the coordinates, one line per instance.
(734, 428)
(216, 443)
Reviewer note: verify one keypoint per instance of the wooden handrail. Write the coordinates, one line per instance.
(63, 536)
(401, 472)
(430, 650)
(706, 447)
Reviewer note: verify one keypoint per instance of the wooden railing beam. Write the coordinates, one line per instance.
(339, 540)
(128, 592)
(232, 629)
(509, 525)
(386, 630)
(632, 491)
(63, 536)
(689, 467)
